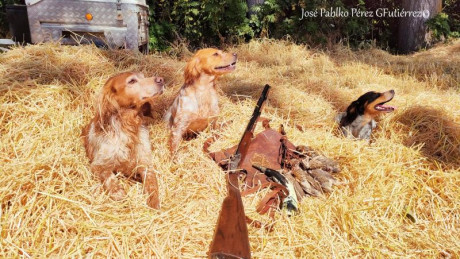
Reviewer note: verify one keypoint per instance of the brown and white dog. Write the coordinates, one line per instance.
(116, 139)
(196, 104)
(358, 121)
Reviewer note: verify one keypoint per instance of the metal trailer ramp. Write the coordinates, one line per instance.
(115, 23)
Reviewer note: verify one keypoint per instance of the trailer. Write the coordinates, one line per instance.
(112, 23)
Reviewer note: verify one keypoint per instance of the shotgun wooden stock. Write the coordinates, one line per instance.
(231, 238)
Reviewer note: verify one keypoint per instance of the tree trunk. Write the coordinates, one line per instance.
(413, 30)
(252, 3)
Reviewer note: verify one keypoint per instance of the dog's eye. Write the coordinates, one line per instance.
(132, 81)
(215, 54)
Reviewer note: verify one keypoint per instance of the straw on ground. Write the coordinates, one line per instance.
(399, 197)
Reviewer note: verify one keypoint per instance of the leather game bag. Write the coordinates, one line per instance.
(310, 173)
(265, 149)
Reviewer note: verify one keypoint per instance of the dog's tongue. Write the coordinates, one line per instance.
(382, 107)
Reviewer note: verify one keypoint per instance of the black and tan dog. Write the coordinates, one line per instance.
(358, 121)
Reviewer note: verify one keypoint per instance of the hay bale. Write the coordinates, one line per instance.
(52, 206)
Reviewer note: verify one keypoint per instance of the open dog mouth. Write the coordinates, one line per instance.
(227, 67)
(384, 108)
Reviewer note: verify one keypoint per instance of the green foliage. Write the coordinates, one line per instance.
(452, 9)
(218, 22)
(278, 18)
(439, 26)
(160, 32)
(209, 22)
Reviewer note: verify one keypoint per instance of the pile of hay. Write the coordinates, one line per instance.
(399, 197)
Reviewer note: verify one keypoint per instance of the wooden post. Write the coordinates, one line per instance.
(413, 30)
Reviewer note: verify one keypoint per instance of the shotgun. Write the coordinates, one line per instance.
(231, 238)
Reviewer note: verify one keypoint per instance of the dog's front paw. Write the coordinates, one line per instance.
(153, 202)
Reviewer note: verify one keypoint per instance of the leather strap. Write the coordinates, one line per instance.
(272, 199)
(269, 203)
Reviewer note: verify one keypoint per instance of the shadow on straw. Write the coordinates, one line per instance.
(45, 64)
(435, 130)
(236, 92)
(441, 63)
(333, 95)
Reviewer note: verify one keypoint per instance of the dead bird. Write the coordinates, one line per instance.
(309, 185)
(291, 202)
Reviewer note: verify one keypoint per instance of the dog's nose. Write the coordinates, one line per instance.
(159, 80)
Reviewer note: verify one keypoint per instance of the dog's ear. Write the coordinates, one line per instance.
(352, 112)
(192, 70)
(357, 107)
(106, 104)
(352, 107)
(360, 107)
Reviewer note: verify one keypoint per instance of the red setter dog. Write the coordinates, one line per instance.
(117, 140)
(196, 104)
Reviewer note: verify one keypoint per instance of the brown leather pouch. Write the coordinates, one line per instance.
(310, 173)
(266, 149)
